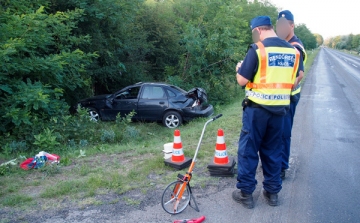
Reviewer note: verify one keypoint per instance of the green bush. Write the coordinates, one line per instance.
(83, 143)
(107, 136)
(3, 170)
(46, 141)
(40, 66)
(15, 147)
(131, 132)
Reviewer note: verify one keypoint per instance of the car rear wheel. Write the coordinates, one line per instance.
(94, 115)
(172, 119)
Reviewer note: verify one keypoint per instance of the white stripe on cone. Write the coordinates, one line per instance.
(220, 140)
(177, 139)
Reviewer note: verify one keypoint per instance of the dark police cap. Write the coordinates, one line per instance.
(287, 15)
(260, 21)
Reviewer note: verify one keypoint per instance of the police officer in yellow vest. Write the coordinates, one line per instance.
(268, 73)
(285, 30)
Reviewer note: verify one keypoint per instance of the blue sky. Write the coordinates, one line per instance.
(328, 18)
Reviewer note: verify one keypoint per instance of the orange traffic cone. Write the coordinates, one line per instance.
(221, 165)
(221, 156)
(178, 159)
(177, 153)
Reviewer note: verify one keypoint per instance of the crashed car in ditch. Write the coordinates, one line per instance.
(161, 102)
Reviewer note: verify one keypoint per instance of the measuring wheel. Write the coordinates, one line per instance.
(171, 201)
(177, 195)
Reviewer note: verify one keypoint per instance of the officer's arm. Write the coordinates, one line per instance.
(246, 70)
(242, 81)
(298, 78)
(300, 75)
(296, 82)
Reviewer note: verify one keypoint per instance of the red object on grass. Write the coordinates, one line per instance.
(29, 164)
(53, 157)
(26, 164)
(194, 220)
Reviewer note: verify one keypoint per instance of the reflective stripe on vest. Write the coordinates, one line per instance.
(258, 95)
(302, 49)
(298, 88)
(275, 77)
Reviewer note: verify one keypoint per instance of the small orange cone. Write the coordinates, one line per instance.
(177, 152)
(221, 165)
(221, 156)
(178, 159)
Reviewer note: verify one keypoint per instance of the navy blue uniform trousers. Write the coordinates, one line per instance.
(288, 124)
(261, 134)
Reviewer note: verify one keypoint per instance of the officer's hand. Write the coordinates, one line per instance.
(295, 84)
(238, 65)
(295, 87)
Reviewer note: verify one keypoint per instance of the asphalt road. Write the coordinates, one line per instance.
(323, 181)
(326, 142)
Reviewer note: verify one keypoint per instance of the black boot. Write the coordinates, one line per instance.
(272, 199)
(282, 174)
(245, 199)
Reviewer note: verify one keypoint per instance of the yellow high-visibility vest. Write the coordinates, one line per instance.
(298, 87)
(275, 76)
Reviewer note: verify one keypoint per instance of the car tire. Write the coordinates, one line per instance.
(172, 119)
(94, 114)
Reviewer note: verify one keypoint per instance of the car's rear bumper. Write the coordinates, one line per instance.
(195, 112)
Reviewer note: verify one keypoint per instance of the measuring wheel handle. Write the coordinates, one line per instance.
(178, 195)
(183, 178)
(216, 117)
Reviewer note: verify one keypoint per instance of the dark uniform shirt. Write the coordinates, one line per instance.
(249, 68)
(296, 97)
(301, 62)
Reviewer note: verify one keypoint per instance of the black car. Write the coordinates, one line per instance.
(151, 102)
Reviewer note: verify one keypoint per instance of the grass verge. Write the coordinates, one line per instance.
(119, 168)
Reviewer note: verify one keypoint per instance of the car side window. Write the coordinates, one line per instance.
(131, 93)
(171, 93)
(153, 92)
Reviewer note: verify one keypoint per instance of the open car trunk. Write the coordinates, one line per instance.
(198, 94)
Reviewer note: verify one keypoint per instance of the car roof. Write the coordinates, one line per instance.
(152, 83)
(149, 83)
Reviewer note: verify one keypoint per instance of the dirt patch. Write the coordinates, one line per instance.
(109, 205)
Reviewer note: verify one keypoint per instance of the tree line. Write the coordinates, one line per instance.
(55, 52)
(344, 42)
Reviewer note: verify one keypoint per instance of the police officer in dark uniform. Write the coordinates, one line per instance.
(268, 73)
(285, 30)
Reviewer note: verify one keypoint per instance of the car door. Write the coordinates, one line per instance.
(124, 102)
(152, 103)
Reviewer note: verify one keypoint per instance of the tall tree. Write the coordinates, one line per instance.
(355, 41)
(40, 66)
(308, 39)
(117, 37)
(348, 41)
(319, 39)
